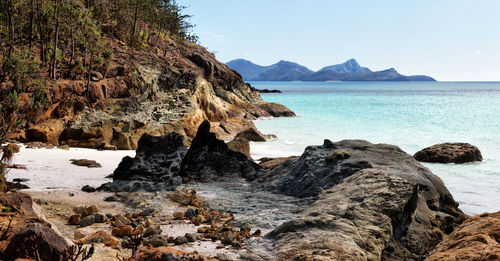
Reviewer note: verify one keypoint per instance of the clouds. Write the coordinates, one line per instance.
(479, 53)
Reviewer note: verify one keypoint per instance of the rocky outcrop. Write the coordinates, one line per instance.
(149, 92)
(478, 238)
(241, 145)
(155, 166)
(374, 202)
(209, 158)
(449, 153)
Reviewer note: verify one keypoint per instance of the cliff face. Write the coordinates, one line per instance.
(153, 91)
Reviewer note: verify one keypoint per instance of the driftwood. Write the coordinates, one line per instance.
(16, 166)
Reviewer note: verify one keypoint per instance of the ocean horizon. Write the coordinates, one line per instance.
(411, 115)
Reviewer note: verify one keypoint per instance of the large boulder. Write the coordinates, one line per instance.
(155, 166)
(209, 158)
(476, 239)
(36, 238)
(449, 153)
(374, 202)
(241, 145)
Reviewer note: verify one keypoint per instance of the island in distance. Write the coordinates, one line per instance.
(290, 71)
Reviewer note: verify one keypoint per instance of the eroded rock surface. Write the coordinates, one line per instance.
(374, 202)
(209, 158)
(478, 238)
(449, 153)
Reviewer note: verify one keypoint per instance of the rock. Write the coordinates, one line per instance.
(85, 210)
(377, 203)
(183, 195)
(449, 153)
(476, 239)
(20, 180)
(152, 230)
(81, 233)
(87, 221)
(191, 237)
(147, 212)
(41, 201)
(180, 240)
(223, 257)
(120, 220)
(88, 189)
(122, 231)
(50, 247)
(100, 237)
(191, 212)
(269, 91)
(75, 219)
(157, 159)
(251, 134)
(99, 218)
(85, 163)
(111, 199)
(268, 163)
(155, 241)
(63, 147)
(277, 110)
(96, 76)
(240, 145)
(149, 253)
(209, 158)
(178, 215)
(227, 237)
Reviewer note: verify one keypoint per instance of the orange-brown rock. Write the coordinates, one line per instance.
(478, 238)
(268, 163)
(241, 145)
(100, 237)
(147, 91)
(122, 231)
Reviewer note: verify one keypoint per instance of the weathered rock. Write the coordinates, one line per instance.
(147, 253)
(209, 158)
(122, 231)
(100, 237)
(476, 239)
(180, 240)
(374, 202)
(178, 215)
(88, 189)
(268, 163)
(155, 241)
(184, 196)
(120, 220)
(227, 237)
(191, 212)
(87, 221)
(75, 219)
(86, 163)
(99, 218)
(157, 160)
(240, 145)
(81, 233)
(251, 134)
(51, 246)
(153, 230)
(449, 153)
(191, 237)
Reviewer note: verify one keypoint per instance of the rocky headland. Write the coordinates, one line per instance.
(150, 91)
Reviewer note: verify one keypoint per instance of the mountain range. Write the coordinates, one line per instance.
(290, 71)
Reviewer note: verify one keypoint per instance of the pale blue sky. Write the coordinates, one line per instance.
(450, 40)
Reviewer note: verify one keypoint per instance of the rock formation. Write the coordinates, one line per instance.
(449, 153)
(478, 238)
(149, 92)
(374, 202)
(209, 158)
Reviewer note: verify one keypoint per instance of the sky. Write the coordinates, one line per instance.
(450, 40)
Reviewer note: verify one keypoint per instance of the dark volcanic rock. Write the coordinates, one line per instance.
(154, 167)
(449, 153)
(157, 158)
(86, 163)
(374, 202)
(251, 135)
(51, 246)
(209, 158)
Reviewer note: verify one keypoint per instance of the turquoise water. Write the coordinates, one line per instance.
(411, 115)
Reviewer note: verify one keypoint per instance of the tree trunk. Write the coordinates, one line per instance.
(56, 37)
(10, 18)
(40, 28)
(31, 24)
(72, 45)
(89, 73)
(134, 27)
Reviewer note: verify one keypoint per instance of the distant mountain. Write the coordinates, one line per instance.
(289, 71)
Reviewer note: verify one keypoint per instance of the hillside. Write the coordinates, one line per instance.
(288, 71)
(120, 70)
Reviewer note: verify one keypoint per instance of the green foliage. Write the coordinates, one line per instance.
(13, 97)
(39, 97)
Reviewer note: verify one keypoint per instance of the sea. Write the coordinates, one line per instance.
(411, 115)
